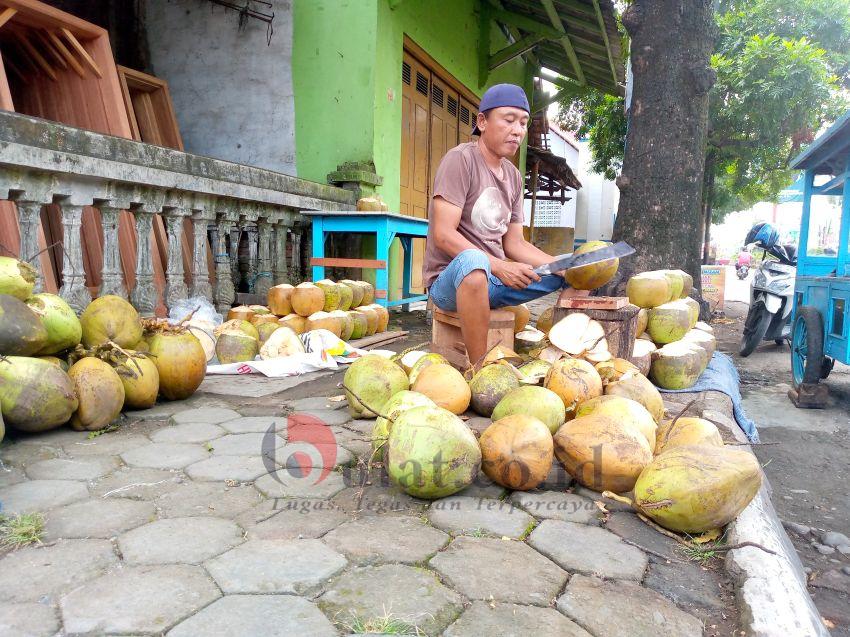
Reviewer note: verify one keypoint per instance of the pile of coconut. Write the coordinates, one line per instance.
(56, 368)
(345, 308)
(604, 422)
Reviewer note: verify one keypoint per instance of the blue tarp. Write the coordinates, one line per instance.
(721, 375)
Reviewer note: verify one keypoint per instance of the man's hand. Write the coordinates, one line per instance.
(515, 275)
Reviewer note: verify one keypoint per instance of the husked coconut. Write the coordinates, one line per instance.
(110, 318)
(592, 275)
(346, 323)
(686, 431)
(324, 321)
(240, 312)
(705, 327)
(648, 289)
(625, 411)
(307, 299)
(639, 388)
(332, 294)
(368, 292)
(677, 283)
(575, 381)
(204, 332)
(374, 379)
(346, 296)
(280, 299)
(443, 384)
(693, 306)
(550, 354)
(544, 321)
(399, 403)
(577, 333)
(266, 329)
(529, 341)
(642, 355)
(521, 316)
(532, 400)
(282, 342)
(356, 292)
(429, 359)
(534, 372)
(669, 322)
(642, 320)
(703, 339)
(359, 323)
(599, 353)
(238, 324)
(295, 322)
(234, 346)
(677, 365)
(371, 319)
(490, 384)
(408, 359)
(517, 452)
(383, 316)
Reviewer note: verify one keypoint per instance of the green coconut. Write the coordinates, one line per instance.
(55, 360)
(346, 296)
(332, 294)
(356, 292)
(21, 333)
(490, 384)
(400, 402)
(359, 324)
(140, 378)
(687, 283)
(100, 392)
(264, 330)
(703, 339)
(375, 380)
(63, 327)
(246, 327)
(693, 489)
(35, 395)
(677, 365)
(346, 323)
(428, 359)
(2, 427)
(431, 453)
(677, 283)
(234, 346)
(638, 387)
(693, 306)
(110, 318)
(17, 278)
(533, 372)
(648, 289)
(368, 292)
(669, 322)
(532, 400)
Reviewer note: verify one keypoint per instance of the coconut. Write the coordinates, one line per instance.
(346, 323)
(676, 281)
(642, 355)
(240, 312)
(530, 341)
(500, 352)
(517, 452)
(234, 346)
(383, 316)
(110, 318)
(332, 294)
(687, 431)
(669, 322)
(613, 370)
(375, 380)
(21, 333)
(307, 299)
(431, 453)
(17, 278)
(642, 320)
(259, 309)
(687, 283)
(295, 322)
(368, 292)
(100, 392)
(577, 333)
(429, 359)
(202, 330)
(601, 453)
(697, 488)
(443, 384)
(626, 411)
(408, 359)
(703, 339)
(180, 361)
(521, 316)
(531, 400)
(704, 327)
(359, 324)
(267, 329)
(279, 299)
(346, 296)
(533, 372)
(2, 427)
(592, 275)
(241, 325)
(35, 395)
(575, 381)
(544, 321)
(677, 365)
(639, 388)
(371, 319)
(63, 365)
(324, 321)
(356, 292)
(263, 319)
(693, 306)
(648, 289)
(282, 342)
(61, 323)
(399, 403)
(490, 384)
(140, 379)
(550, 354)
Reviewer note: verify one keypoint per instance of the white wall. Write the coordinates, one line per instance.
(596, 203)
(232, 93)
(568, 209)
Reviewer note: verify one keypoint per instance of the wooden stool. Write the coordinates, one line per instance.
(617, 316)
(447, 340)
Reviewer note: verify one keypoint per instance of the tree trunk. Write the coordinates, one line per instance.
(662, 177)
(707, 206)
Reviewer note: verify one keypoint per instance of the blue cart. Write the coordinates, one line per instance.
(821, 313)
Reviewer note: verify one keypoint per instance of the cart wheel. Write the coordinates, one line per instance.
(807, 359)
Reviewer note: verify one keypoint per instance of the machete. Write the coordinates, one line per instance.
(573, 260)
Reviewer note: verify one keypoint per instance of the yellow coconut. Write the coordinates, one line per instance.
(260, 319)
(346, 323)
(100, 393)
(371, 319)
(446, 386)
(669, 322)
(687, 283)
(642, 354)
(544, 321)
(694, 307)
(359, 323)
(356, 292)
(140, 378)
(625, 411)
(324, 321)
(368, 292)
(639, 388)
(687, 431)
(383, 316)
(697, 488)
(593, 275)
(346, 296)
(237, 324)
(521, 316)
(517, 452)
(110, 318)
(531, 400)
(280, 299)
(642, 320)
(332, 294)
(613, 370)
(601, 453)
(676, 281)
(307, 299)
(422, 362)
(240, 312)
(648, 289)
(575, 381)
(677, 365)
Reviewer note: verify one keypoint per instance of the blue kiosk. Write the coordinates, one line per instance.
(821, 315)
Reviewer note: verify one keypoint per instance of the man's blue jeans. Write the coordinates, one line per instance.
(443, 290)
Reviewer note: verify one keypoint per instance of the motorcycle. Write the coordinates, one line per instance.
(771, 299)
(742, 271)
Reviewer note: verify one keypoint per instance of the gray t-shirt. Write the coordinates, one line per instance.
(488, 203)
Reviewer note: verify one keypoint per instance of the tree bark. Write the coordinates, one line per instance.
(662, 178)
(707, 206)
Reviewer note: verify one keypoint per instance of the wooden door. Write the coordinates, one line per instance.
(466, 121)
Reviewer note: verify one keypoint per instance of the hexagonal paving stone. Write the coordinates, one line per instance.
(255, 424)
(589, 550)
(282, 484)
(179, 540)
(97, 518)
(391, 538)
(111, 444)
(463, 514)
(28, 620)
(556, 505)
(483, 487)
(20, 455)
(211, 415)
(296, 519)
(188, 432)
(10, 476)
(411, 595)
(207, 498)
(140, 599)
(246, 444)
(164, 455)
(639, 612)
(88, 468)
(317, 402)
(378, 500)
(503, 570)
(630, 527)
(31, 573)
(221, 468)
(267, 615)
(327, 416)
(275, 566)
(137, 483)
(512, 620)
(41, 495)
(321, 456)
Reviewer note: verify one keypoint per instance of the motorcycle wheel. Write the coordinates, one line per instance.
(755, 327)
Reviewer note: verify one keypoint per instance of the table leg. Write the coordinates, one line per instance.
(407, 246)
(382, 253)
(318, 247)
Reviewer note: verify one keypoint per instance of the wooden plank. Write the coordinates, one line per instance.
(380, 294)
(79, 48)
(595, 302)
(514, 50)
(7, 15)
(5, 94)
(339, 262)
(378, 339)
(555, 19)
(40, 15)
(69, 57)
(43, 64)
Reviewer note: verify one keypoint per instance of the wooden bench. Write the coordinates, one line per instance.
(446, 338)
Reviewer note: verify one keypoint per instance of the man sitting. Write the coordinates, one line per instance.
(475, 256)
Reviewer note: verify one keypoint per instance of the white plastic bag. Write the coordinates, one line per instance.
(204, 311)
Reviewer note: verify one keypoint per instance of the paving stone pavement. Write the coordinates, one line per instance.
(175, 521)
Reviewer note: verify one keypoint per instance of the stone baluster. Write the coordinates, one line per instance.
(225, 292)
(29, 218)
(279, 268)
(112, 279)
(201, 219)
(295, 267)
(73, 289)
(235, 239)
(263, 280)
(175, 283)
(144, 295)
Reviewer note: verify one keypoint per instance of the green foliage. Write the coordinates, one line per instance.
(602, 120)
(19, 530)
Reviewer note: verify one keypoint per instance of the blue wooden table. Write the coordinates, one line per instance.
(385, 226)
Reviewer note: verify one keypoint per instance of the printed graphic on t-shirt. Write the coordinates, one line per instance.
(489, 216)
